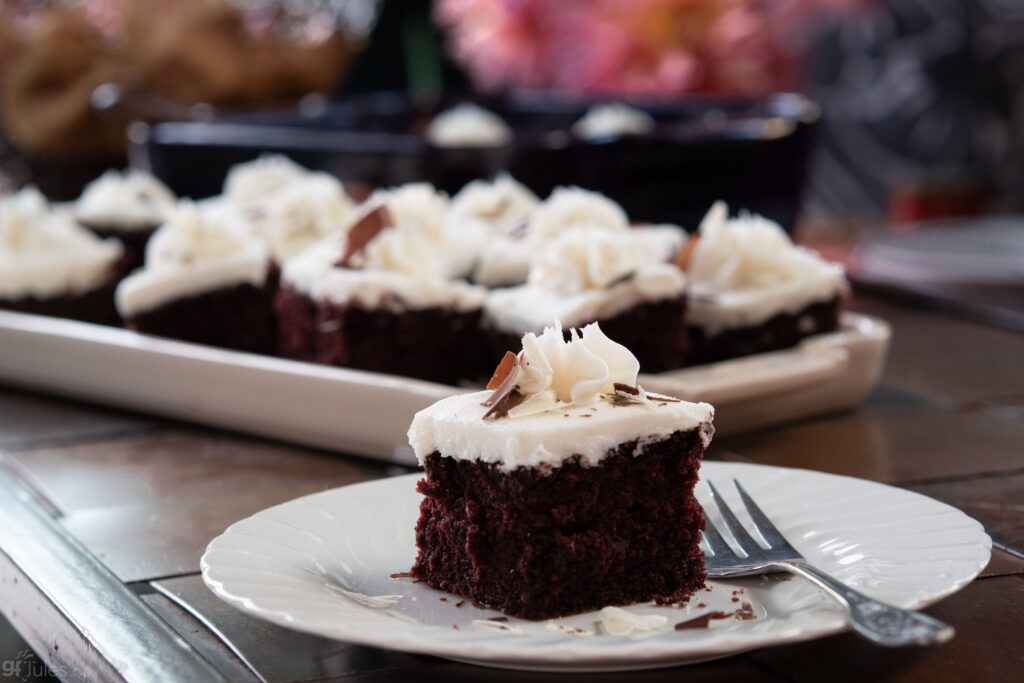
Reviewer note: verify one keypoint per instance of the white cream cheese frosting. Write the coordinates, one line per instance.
(614, 119)
(301, 213)
(568, 207)
(505, 259)
(44, 253)
(500, 204)
(129, 200)
(254, 181)
(468, 125)
(585, 274)
(315, 273)
(195, 251)
(578, 398)
(744, 271)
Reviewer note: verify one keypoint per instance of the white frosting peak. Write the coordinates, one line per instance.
(553, 371)
(573, 206)
(583, 258)
(606, 120)
(191, 235)
(45, 253)
(467, 125)
(131, 199)
(254, 181)
(301, 213)
(501, 204)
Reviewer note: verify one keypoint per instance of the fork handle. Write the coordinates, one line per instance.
(877, 621)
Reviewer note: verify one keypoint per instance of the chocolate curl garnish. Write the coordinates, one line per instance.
(505, 383)
(508, 362)
(621, 279)
(625, 395)
(682, 259)
(365, 229)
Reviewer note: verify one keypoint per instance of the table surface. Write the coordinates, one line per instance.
(106, 513)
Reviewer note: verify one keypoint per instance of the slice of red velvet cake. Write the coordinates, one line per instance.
(565, 487)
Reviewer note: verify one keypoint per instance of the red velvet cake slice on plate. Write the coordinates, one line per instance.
(563, 488)
(753, 290)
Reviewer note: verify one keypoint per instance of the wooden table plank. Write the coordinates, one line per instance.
(893, 437)
(986, 649)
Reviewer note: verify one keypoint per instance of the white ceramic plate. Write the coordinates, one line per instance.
(324, 564)
(368, 413)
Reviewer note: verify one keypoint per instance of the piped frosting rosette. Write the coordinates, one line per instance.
(551, 373)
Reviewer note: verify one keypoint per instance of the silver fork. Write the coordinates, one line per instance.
(877, 621)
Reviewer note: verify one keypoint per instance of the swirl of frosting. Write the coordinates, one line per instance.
(254, 181)
(501, 203)
(192, 235)
(748, 252)
(130, 199)
(553, 372)
(467, 125)
(607, 120)
(573, 206)
(301, 214)
(418, 205)
(44, 252)
(585, 258)
(401, 248)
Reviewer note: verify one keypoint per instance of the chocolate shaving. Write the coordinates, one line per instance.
(702, 621)
(364, 230)
(626, 389)
(620, 400)
(497, 619)
(460, 603)
(507, 364)
(505, 403)
(682, 259)
(506, 394)
(622, 278)
(402, 575)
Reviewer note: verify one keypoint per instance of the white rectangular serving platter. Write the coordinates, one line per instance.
(367, 413)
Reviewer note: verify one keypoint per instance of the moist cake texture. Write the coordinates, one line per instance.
(563, 489)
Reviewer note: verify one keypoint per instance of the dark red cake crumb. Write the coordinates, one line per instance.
(437, 344)
(537, 543)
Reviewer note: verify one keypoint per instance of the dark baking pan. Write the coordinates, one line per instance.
(751, 152)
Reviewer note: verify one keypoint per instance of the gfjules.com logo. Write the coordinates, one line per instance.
(25, 667)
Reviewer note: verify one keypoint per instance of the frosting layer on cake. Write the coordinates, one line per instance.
(467, 125)
(607, 120)
(44, 253)
(132, 200)
(585, 274)
(315, 273)
(196, 251)
(746, 270)
(575, 398)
